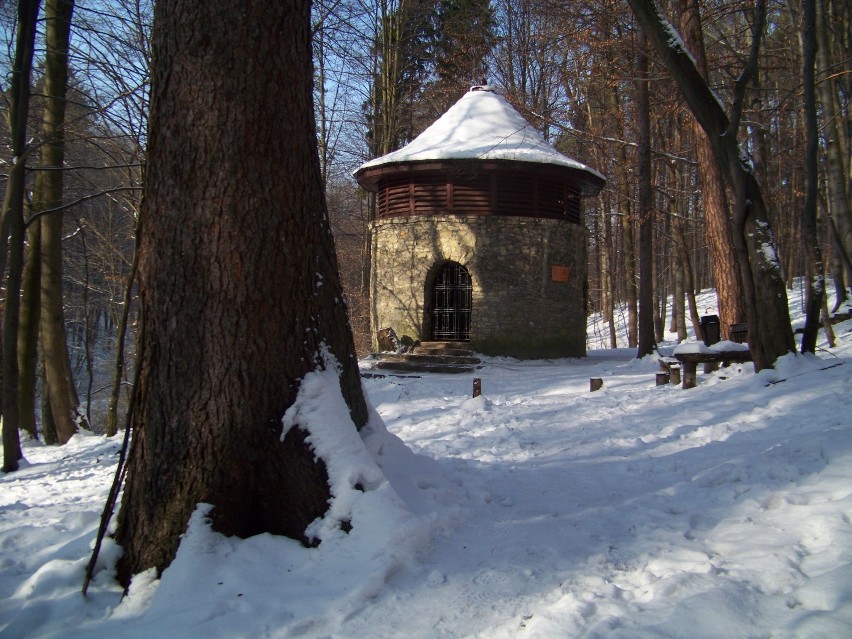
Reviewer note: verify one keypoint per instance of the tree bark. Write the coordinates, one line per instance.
(770, 331)
(683, 279)
(607, 284)
(48, 425)
(28, 332)
(12, 227)
(645, 205)
(815, 268)
(723, 260)
(60, 389)
(837, 266)
(839, 208)
(627, 226)
(238, 283)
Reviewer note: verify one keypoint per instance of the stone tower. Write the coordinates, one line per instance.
(479, 236)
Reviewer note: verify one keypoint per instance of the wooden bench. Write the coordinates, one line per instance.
(711, 360)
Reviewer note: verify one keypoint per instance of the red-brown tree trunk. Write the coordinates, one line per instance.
(770, 331)
(238, 281)
(723, 259)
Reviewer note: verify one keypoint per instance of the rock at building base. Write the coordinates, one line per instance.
(388, 341)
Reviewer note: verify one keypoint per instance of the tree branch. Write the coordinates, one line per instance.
(64, 207)
(750, 68)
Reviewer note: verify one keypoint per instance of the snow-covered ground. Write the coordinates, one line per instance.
(536, 510)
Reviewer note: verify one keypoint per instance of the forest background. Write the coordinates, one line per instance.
(384, 71)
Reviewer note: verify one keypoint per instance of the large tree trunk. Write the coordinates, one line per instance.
(12, 226)
(239, 290)
(723, 260)
(62, 393)
(770, 331)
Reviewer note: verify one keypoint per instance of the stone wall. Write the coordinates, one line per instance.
(522, 305)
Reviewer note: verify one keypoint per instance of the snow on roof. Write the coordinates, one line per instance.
(481, 125)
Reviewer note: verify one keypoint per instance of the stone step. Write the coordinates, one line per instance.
(444, 348)
(427, 358)
(430, 357)
(422, 367)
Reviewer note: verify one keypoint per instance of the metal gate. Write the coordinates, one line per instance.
(451, 303)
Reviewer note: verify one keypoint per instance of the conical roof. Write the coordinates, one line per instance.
(482, 125)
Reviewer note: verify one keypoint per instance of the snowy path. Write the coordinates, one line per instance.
(537, 510)
(580, 514)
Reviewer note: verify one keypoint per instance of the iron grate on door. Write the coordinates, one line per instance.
(451, 303)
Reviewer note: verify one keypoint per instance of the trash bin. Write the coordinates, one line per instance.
(710, 329)
(739, 333)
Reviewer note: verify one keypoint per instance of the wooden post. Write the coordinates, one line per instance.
(595, 383)
(477, 387)
(662, 378)
(674, 376)
(689, 374)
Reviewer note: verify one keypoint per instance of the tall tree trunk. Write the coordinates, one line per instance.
(770, 331)
(28, 332)
(628, 242)
(645, 210)
(837, 266)
(60, 388)
(689, 281)
(723, 259)
(661, 291)
(609, 278)
(815, 268)
(12, 226)
(678, 324)
(238, 283)
(627, 228)
(48, 425)
(680, 263)
(839, 208)
(607, 283)
(121, 339)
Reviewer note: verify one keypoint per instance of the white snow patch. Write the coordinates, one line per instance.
(481, 125)
(538, 509)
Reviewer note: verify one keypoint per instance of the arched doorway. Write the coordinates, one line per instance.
(452, 293)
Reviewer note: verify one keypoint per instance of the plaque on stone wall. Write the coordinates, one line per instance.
(560, 273)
